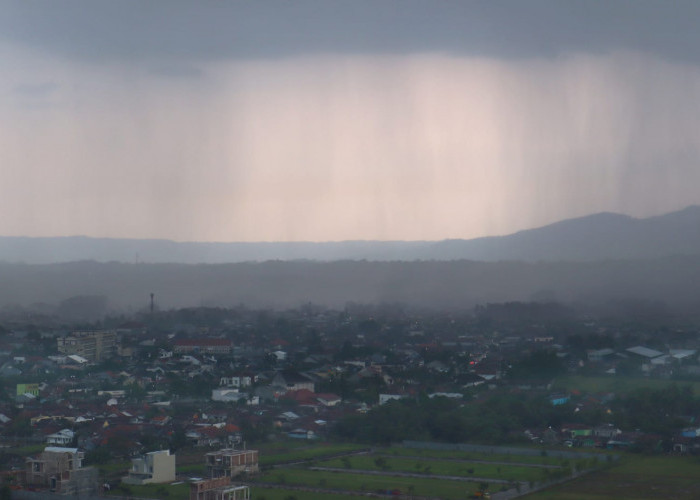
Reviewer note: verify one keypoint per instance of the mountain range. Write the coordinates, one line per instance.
(603, 236)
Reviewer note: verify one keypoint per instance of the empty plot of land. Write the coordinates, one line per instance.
(635, 478)
(433, 467)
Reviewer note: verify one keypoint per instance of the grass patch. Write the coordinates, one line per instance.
(308, 453)
(444, 489)
(471, 455)
(441, 468)
(157, 491)
(257, 493)
(635, 478)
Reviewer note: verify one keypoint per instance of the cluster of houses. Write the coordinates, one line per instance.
(210, 386)
(60, 470)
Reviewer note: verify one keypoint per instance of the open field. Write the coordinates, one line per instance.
(438, 467)
(174, 491)
(282, 454)
(441, 474)
(618, 384)
(258, 493)
(635, 478)
(354, 482)
(469, 455)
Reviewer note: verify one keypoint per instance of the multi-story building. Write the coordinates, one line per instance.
(231, 463)
(153, 467)
(61, 470)
(94, 346)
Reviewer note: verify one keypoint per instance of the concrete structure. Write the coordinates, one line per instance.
(218, 489)
(231, 463)
(61, 470)
(94, 346)
(153, 467)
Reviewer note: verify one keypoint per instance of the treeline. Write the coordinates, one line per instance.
(503, 417)
(497, 419)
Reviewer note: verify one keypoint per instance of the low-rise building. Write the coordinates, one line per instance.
(94, 346)
(153, 467)
(229, 462)
(61, 470)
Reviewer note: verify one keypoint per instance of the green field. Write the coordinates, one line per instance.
(438, 467)
(282, 455)
(469, 455)
(618, 384)
(635, 478)
(258, 493)
(179, 491)
(351, 484)
(357, 482)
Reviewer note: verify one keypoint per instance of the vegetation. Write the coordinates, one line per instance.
(637, 477)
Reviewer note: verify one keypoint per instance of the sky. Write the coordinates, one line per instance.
(322, 120)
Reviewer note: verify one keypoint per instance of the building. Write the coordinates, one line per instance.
(61, 470)
(61, 438)
(236, 381)
(32, 389)
(292, 381)
(231, 463)
(218, 489)
(153, 467)
(203, 346)
(94, 346)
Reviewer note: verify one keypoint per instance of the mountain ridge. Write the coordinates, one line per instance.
(595, 237)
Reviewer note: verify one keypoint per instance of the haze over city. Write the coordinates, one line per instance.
(327, 121)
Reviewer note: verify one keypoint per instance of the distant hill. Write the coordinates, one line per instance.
(99, 287)
(602, 236)
(597, 237)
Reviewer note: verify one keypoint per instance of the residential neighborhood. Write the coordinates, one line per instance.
(224, 380)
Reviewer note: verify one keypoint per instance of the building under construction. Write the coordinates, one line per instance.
(231, 463)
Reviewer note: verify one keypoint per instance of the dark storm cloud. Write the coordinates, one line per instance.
(126, 29)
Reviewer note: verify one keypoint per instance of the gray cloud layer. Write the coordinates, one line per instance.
(99, 30)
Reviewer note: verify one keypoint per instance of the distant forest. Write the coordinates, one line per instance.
(102, 287)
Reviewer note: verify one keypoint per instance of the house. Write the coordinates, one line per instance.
(292, 381)
(61, 470)
(228, 395)
(236, 381)
(607, 431)
(644, 352)
(385, 398)
(599, 355)
(328, 399)
(229, 462)
(61, 438)
(153, 467)
(302, 434)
